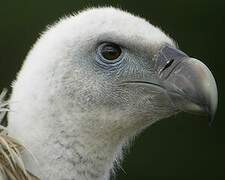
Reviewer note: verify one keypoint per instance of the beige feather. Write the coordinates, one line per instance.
(11, 162)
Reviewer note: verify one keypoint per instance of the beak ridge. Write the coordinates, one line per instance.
(189, 83)
(195, 84)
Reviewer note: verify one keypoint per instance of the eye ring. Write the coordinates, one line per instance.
(110, 53)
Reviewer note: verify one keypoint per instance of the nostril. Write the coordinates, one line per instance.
(168, 64)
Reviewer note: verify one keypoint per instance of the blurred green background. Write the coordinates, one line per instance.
(184, 147)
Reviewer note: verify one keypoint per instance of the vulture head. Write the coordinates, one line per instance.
(94, 80)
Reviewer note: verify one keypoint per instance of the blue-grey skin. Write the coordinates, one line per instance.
(169, 77)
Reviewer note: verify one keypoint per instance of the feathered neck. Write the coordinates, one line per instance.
(66, 149)
(74, 154)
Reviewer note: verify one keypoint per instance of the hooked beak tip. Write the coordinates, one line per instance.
(196, 88)
(189, 83)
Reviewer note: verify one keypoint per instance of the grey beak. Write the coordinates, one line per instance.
(189, 83)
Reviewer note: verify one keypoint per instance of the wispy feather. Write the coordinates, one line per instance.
(11, 162)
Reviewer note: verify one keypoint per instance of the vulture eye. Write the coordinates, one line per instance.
(110, 52)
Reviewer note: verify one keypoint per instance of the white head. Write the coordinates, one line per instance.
(89, 84)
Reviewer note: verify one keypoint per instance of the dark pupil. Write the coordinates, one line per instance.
(111, 52)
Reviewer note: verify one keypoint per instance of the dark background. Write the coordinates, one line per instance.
(182, 147)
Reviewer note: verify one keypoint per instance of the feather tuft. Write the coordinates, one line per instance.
(11, 162)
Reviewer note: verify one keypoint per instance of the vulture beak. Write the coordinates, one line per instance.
(188, 82)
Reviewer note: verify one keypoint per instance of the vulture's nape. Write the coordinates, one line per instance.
(93, 81)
